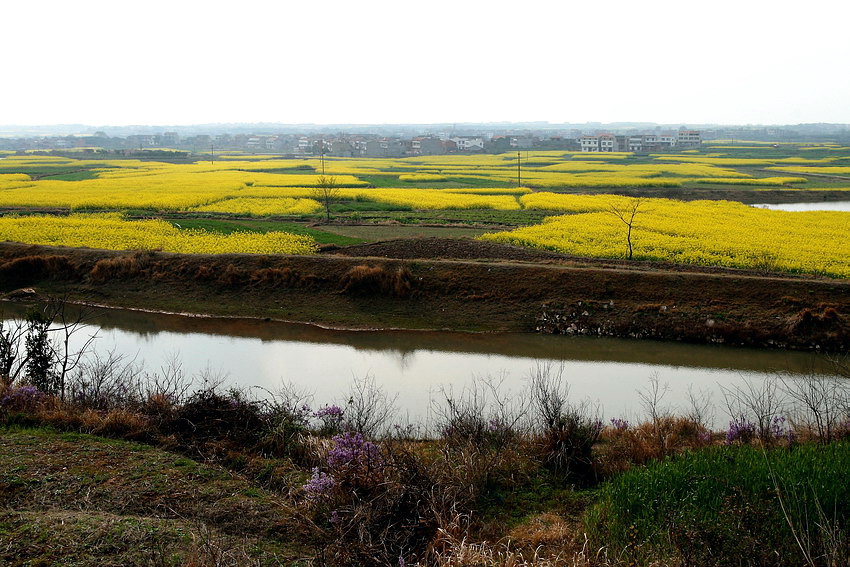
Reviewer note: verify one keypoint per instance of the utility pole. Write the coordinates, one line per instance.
(322, 153)
(212, 153)
(518, 171)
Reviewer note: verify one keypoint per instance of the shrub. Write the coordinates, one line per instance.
(24, 398)
(377, 280)
(210, 416)
(567, 431)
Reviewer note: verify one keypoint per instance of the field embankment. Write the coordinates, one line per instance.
(82, 500)
(464, 285)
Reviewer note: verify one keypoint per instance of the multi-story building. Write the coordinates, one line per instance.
(688, 138)
(640, 142)
(589, 143)
(468, 144)
(600, 143)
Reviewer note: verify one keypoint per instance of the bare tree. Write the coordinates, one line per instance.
(66, 324)
(11, 363)
(326, 192)
(626, 211)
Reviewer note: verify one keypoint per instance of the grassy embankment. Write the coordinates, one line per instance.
(538, 477)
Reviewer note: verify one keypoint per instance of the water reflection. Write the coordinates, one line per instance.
(416, 364)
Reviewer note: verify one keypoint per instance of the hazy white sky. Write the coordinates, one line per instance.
(376, 61)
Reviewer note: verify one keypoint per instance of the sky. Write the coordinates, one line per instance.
(389, 62)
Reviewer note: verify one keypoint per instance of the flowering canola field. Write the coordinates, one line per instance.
(111, 232)
(216, 186)
(713, 233)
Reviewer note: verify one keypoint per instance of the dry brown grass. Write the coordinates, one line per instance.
(377, 280)
(621, 449)
(28, 269)
(275, 277)
(120, 267)
(232, 276)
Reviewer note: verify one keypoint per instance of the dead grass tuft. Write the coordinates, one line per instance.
(275, 277)
(377, 280)
(29, 269)
(120, 267)
(232, 276)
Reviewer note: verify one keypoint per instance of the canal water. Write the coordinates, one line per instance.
(418, 366)
(802, 207)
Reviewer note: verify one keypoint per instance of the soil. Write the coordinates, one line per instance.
(452, 284)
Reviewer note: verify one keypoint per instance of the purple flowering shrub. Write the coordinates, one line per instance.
(371, 504)
(741, 430)
(22, 398)
(320, 486)
(330, 420)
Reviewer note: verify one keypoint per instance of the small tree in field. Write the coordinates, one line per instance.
(627, 211)
(326, 192)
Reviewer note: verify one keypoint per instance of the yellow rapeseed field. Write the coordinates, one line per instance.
(715, 233)
(111, 232)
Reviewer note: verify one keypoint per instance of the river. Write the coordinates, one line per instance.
(418, 365)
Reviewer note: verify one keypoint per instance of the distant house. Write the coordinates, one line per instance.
(667, 140)
(522, 142)
(600, 143)
(429, 146)
(468, 143)
(688, 138)
(589, 143)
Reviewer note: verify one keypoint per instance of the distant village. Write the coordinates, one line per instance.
(360, 145)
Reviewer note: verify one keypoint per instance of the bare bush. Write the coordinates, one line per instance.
(568, 430)
(755, 401)
(700, 408)
(170, 384)
(286, 424)
(481, 414)
(369, 408)
(105, 381)
(819, 403)
(657, 412)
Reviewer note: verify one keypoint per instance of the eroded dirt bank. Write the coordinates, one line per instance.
(452, 285)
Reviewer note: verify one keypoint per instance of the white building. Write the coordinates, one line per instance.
(466, 144)
(688, 138)
(589, 143)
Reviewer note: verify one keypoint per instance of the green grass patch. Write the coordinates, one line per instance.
(463, 216)
(389, 180)
(363, 204)
(374, 232)
(714, 506)
(81, 175)
(262, 226)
